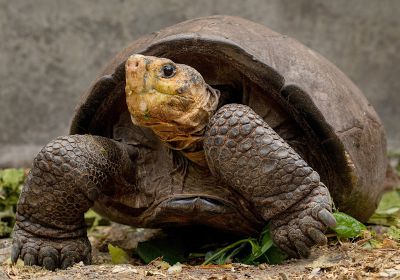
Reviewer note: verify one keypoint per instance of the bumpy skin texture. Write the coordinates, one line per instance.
(67, 176)
(254, 160)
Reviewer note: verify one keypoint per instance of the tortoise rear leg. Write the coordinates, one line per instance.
(254, 160)
(67, 176)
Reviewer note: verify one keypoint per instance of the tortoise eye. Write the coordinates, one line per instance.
(168, 70)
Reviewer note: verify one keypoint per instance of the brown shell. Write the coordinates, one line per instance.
(340, 126)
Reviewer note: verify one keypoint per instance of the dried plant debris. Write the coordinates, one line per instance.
(346, 261)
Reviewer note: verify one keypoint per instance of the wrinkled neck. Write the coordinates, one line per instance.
(190, 141)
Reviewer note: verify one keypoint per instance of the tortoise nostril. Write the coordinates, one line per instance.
(133, 64)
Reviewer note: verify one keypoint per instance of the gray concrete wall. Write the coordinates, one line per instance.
(50, 51)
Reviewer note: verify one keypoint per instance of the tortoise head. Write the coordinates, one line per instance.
(171, 99)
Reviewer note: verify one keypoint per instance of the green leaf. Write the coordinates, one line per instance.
(394, 154)
(220, 256)
(12, 177)
(347, 226)
(255, 253)
(234, 253)
(249, 251)
(266, 241)
(258, 250)
(170, 249)
(388, 211)
(384, 220)
(389, 203)
(275, 256)
(92, 220)
(372, 244)
(118, 256)
(394, 233)
(11, 181)
(5, 230)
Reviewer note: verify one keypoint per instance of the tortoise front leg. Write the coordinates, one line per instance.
(253, 159)
(67, 176)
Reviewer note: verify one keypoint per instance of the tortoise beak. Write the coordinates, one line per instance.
(135, 69)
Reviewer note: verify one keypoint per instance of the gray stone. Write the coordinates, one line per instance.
(51, 50)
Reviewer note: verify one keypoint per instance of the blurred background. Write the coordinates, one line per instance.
(51, 50)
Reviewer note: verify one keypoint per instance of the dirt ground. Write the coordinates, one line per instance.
(336, 261)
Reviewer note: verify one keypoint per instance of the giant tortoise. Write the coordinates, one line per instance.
(215, 121)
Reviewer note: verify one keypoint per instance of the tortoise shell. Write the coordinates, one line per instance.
(306, 99)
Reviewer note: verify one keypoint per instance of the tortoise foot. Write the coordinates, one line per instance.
(51, 253)
(295, 231)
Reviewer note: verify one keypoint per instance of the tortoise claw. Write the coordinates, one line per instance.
(327, 218)
(48, 257)
(15, 251)
(318, 236)
(49, 263)
(30, 259)
(302, 248)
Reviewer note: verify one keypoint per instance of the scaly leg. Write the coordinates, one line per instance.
(67, 176)
(254, 160)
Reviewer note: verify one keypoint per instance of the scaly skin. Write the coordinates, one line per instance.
(67, 176)
(249, 156)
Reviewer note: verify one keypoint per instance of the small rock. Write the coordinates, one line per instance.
(392, 272)
(153, 273)
(314, 272)
(262, 266)
(161, 264)
(383, 274)
(175, 269)
(118, 269)
(228, 277)
(283, 276)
